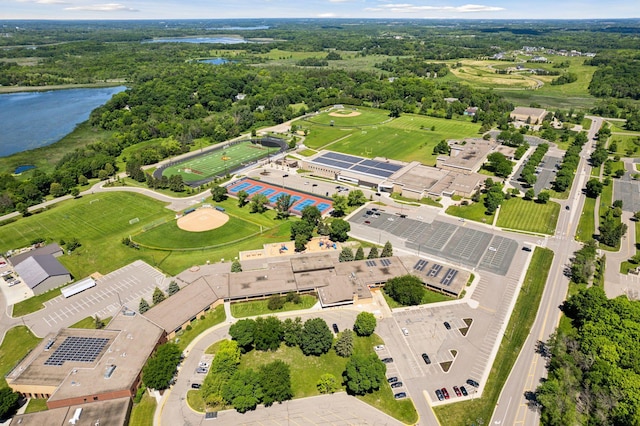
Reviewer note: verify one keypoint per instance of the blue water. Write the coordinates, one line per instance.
(30, 120)
(21, 169)
(259, 27)
(222, 40)
(214, 61)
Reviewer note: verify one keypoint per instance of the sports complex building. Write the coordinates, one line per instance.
(454, 175)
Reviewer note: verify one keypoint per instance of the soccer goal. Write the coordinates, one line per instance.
(134, 220)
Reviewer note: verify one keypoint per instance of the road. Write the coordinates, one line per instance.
(513, 407)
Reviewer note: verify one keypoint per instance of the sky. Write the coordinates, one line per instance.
(390, 9)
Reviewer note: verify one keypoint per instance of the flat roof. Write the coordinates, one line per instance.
(276, 278)
(372, 271)
(339, 290)
(380, 168)
(469, 154)
(109, 412)
(535, 112)
(418, 177)
(437, 275)
(311, 263)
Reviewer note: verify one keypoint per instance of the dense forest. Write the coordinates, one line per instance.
(594, 370)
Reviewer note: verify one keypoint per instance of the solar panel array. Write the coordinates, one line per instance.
(449, 276)
(370, 263)
(385, 262)
(357, 164)
(420, 265)
(81, 349)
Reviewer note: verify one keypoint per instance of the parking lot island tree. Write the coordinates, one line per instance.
(365, 324)
(364, 373)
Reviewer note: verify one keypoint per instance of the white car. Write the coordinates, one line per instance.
(405, 331)
(378, 347)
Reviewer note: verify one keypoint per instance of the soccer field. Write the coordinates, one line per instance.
(219, 162)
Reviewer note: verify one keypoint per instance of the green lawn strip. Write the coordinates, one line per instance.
(211, 318)
(522, 318)
(606, 200)
(595, 171)
(36, 405)
(627, 145)
(586, 225)
(529, 216)
(259, 307)
(426, 200)
(307, 152)
(383, 400)
(142, 413)
(89, 323)
(586, 123)
(126, 181)
(472, 211)
(34, 303)
(17, 343)
(428, 296)
(195, 401)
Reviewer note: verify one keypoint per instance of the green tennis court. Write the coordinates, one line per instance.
(219, 162)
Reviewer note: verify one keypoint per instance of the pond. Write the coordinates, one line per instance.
(214, 61)
(221, 40)
(30, 120)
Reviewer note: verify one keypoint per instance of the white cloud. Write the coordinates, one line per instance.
(410, 8)
(326, 15)
(106, 7)
(339, 1)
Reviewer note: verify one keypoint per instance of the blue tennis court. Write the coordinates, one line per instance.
(299, 199)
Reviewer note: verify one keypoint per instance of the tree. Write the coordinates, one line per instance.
(543, 197)
(242, 198)
(218, 193)
(387, 250)
(158, 296)
(311, 215)
(143, 306)
(373, 253)
(340, 205)
(267, 333)
(593, 188)
(494, 198)
(242, 332)
(499, 164)
(327, 384)
(98, 323)
(339, 230)
(283, 204)
(529, 194)
(359, 253)
(161, 367)
(406, 289)
(243, 390)
(236, 266)
(292, 331)
(227, 358)
(316, 338)
(636, 215)
(364, 373)
(346, 255)
(9, 402)
(259, 203)
(356, 198)
(442, 148)
(365, 324)
(300, 242)
(344, 343)
(173, 288)
(74, 192)
(275, 380)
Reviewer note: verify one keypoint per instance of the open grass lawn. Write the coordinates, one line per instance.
(17, 343)
(142, 413)
(260, 307)
(524, 313)
(219, 161)
(587, 224)
(366, 117)
(36, 405)
(211, 318)
(473, 211)
(529, 216)
(626, 145)
(34, 303)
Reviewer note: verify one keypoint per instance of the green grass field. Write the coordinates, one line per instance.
(627, 145)
(211, 318)
(260, 307)
(18, 341)
(587, 224)
(218, 162)
(473, 211)
(407, 138)
(142, 413)
(529, 216)
(478, 411)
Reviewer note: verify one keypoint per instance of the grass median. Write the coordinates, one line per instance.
(522, 318)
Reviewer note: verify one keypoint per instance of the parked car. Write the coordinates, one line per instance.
(464, 391)
(439, 395)
(195, 385)
(201, 370)
(335, 328)
(447, 325)
(396, 385)
(445, 393)
(405, 331)
(400, 395)
(387, 360)
(457, 391)
(473, 383)
(392, 379)
(426, 359)
(378, 347)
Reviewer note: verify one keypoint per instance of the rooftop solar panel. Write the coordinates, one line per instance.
(371, 171)
(387, 166)
(342, 157)
(332, 163)
(80, 349)
(385, 262)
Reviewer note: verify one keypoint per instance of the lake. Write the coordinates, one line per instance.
(214, 61)
(30, 120)
(221, 40)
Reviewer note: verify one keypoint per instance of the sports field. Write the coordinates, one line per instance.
(218, 162)
(529, 216)
(410, 137)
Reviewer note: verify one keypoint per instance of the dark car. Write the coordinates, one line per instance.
(387, 360)
(567, 207)
(439, 395)
(447, 325)
(445, 393)
(426, 359)
(457, 391)
(464, 391)
(396, 385)
(195, 385)
(392, 379)
(335, 328)
(473, 383)
(400, 395)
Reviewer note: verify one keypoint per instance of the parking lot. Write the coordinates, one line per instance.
(627, 190)
(545, 174)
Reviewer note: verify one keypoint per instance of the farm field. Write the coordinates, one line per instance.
(218, 162)
(529, 216)
(407, 138)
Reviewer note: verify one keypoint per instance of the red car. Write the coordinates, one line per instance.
(457, 391)
(445, 393)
